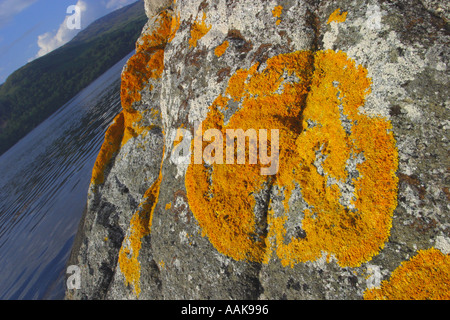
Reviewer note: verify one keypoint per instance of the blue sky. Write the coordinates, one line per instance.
(32, 28)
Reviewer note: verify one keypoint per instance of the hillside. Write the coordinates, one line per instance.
(35, 91)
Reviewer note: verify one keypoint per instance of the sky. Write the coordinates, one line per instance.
(32, 28)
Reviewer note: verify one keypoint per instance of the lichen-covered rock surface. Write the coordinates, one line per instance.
(348, 198)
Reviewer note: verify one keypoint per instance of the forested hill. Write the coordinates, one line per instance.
(32, 93)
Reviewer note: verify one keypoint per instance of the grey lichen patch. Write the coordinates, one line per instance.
(293, 225)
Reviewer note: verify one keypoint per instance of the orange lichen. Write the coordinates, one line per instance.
(110, 146)
(220, 50)
(198, 31)
(352, 233)
(140, 226)
(147, 63)
(426, 276)
(168, 206)
(337, 16)
(222, 196)
(178, 136)
(276, 12)
(236, 83)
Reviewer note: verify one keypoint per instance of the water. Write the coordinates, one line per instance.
(44, 180)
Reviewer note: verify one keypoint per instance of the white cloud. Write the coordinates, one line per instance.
(90, 11)
(9, 8)
(50, 41)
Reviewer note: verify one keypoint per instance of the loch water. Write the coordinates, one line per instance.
(44, 180)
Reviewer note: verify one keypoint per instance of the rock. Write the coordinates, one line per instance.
(440, 8)
(152, 7)
(358, 93)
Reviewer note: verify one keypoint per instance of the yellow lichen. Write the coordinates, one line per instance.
(337, 16)
(168, 206)
(147, 63)
(222, 196)
(352, 233)
(178, 137)
(426, 276)
(220, 50)
(140, 226)
(110, 146)
(198, 31)
(236, 83)
(276, 12)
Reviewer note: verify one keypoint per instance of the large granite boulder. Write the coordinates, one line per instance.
(342, 190)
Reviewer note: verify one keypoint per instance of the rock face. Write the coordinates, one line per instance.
(346, 107)
(153, 7)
